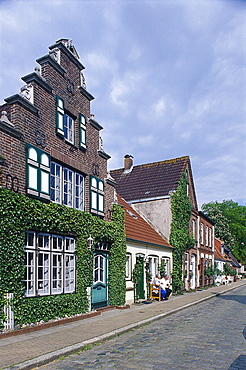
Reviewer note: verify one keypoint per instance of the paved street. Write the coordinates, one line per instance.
(179, 337)
(210, 335)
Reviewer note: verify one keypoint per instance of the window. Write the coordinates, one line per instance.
(82, 131)
(64, 122)
(168, 265)
(206, 236)
(68, 128)
(49, 264)
(128, 266)
(201, 233)
(153, 266)
(194, 229)
(97, 196)
(99, 269)
(37, 172)
(66, 187)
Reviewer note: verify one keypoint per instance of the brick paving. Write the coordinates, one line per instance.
(135, 348)
(207, 336)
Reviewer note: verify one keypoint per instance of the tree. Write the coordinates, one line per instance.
(230, 227)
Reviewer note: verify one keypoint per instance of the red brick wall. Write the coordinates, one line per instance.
(32, 125)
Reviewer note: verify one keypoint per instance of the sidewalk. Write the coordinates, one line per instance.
(27, 351)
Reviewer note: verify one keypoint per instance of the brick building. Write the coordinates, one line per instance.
(49, 133)
(51, 151)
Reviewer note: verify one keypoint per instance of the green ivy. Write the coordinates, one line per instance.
(180, 237)
(20, 214)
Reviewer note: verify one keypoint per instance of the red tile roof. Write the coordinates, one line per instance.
(217, 251)
(137, 229)
(150, 180)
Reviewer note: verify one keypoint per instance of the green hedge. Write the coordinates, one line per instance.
(19, 214)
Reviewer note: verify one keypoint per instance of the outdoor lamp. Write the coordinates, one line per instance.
(90, 241)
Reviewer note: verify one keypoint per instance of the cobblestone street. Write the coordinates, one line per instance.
(209, 335)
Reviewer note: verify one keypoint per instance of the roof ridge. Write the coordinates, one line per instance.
(172, 160)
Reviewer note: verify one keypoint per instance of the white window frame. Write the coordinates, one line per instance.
(128, 266)
(206, 236)
(68, 126)
(49, 264)
(201, 233)
(64, 121)
(99, 273)
(153, 265)
(67, 187)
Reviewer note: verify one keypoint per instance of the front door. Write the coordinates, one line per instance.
(100, 280)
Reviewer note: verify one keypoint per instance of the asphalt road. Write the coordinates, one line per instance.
(209, 335)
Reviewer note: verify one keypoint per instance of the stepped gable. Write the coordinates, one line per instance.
(148, 181)
(137, 229)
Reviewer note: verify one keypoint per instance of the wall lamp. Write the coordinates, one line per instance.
(90, 242)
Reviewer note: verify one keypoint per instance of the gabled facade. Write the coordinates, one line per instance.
(51, 153)
(149, 188)
(50, 141)
(146, 247)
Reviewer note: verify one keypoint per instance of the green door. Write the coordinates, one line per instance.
(140, 293)
(100, 280)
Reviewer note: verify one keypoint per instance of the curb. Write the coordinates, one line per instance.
(52, 356)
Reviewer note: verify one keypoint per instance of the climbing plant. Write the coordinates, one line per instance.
(20, 214)
(179, 236)
(162, 268)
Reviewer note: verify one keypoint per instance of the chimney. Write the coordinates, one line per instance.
(128, 163)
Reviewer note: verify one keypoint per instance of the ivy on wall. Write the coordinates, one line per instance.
(180, 237)
(20, 214)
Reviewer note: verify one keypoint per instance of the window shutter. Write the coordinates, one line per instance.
(59, 116)
(82, 131)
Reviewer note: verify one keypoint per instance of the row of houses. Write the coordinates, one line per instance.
(71, 231)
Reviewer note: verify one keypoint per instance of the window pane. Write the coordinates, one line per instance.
(33, 154)
(45, 182)
(45, 160)
(100, 202)
(32, 177)
(94, 182)
(79, 183)
(100, 185)
(82, 133)
(60, 120)
(93, 200)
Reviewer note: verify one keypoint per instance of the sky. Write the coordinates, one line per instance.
(168, 78)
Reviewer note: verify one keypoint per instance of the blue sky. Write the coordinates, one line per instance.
(168, 77)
